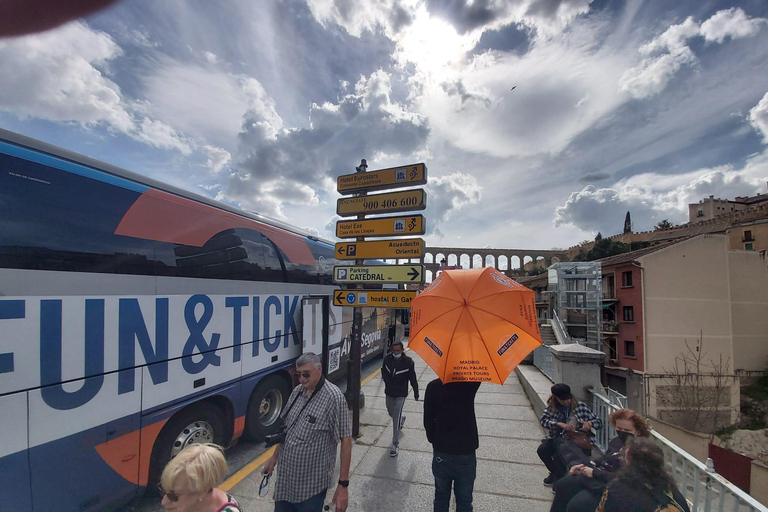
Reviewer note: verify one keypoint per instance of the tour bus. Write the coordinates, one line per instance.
(137, 318)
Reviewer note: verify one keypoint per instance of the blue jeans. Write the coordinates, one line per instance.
(313, 504)
(454, 470)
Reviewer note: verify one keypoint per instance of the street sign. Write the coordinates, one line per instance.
(374, 298)
(399, 248)
(393, 202)
(378, 274)
(383, 179)
(384, 226)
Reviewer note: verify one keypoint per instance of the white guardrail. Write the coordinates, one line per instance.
(561, 334)
(705, 490)
(544, 360)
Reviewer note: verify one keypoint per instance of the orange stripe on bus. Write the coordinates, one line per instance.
(239, 427)
(122, 454)
(158, 215)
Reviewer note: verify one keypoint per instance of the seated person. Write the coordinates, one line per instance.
(643, 484)
(563, 414)
(581, 489)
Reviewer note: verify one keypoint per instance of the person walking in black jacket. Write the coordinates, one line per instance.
(449, 419)
(397, 371)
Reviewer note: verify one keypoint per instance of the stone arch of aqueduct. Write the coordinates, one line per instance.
(509, 261)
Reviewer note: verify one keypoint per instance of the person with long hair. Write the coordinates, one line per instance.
(563, 414)
(189, 481)
(643, 484)
(581, 489)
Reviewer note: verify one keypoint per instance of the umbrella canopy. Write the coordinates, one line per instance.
(474, 325)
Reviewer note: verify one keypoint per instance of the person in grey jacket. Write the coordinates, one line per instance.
(397, 370)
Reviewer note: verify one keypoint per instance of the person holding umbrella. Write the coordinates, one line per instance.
(449, 419)
(564, 417)
(469, 326)
(396, 371)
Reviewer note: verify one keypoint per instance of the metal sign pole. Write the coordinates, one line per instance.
(353, 368)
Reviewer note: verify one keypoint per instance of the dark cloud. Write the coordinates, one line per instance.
(364, 123)
(466, 15)
(594, 177)
(457, 88)
(554, 8)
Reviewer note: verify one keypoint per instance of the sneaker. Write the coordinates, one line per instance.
(402, 421)
(550, 480)
(393, 451)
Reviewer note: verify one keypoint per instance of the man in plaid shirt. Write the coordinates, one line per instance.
(317, 418)
(560, 416)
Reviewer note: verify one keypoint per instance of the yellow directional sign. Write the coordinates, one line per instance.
(378, 274)
(400, 248)
(395, 177)
(374, 298)
(384, 226)
(393, 202)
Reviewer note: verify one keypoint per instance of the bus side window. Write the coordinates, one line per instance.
(39, 237)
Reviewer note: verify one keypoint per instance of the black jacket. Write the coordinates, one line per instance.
(449, 416)
(622, 497)
(605, 467)
(396, 373)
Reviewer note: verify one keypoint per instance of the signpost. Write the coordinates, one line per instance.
(379, 274)
(383, 226)
(404, 201)
(383, 249)
(361, 205)
(384, 179)
(374, 298)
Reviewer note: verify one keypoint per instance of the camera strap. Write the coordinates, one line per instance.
(319, 386)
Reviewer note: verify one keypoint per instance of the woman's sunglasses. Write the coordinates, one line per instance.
(170, 494)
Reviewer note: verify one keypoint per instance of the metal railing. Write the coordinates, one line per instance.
(616, 398)
(560, 332)
(544, 360)
(702, 487)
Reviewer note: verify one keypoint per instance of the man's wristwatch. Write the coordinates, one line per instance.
(344, 483)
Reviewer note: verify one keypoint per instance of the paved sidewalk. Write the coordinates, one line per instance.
(509, 474)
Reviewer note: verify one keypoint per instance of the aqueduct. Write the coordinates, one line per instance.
(509, 261)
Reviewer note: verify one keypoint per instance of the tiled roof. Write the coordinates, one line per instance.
(626, 257)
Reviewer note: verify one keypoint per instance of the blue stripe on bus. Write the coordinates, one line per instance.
(64, 165)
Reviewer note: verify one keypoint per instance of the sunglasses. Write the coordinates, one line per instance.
(263, 486)
(170, 494)
(303, 375)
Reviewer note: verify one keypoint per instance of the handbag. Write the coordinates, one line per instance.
(579, 438)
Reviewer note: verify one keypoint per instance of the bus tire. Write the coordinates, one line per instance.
(264, 407)
(200, 423)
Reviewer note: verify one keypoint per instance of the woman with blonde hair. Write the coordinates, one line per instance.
(189, 481)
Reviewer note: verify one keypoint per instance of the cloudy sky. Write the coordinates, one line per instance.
(618, 105)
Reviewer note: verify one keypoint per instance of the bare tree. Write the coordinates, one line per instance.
(698, 389)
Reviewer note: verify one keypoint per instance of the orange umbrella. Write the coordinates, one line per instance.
(474, 325)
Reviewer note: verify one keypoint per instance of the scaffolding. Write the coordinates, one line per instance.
(577, 290)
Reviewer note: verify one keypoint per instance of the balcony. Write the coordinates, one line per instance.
(747, 237)
(609, 326)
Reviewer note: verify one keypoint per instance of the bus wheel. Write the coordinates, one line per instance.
(264, 407)
(201, 423)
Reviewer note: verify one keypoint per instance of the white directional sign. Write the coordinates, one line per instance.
(374, 298)
(378, 274)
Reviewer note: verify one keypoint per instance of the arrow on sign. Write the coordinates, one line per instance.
(414, 273)
(340, 297)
